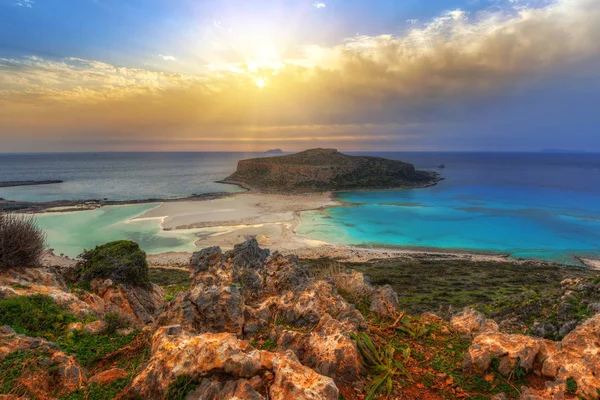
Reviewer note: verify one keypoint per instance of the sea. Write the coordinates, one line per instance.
(527, 205)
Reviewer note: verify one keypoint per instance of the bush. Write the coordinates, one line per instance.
(113, 321)
(122, 262)
(22, 242)
(36, 315)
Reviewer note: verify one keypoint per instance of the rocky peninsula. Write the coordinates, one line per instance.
(323, 170)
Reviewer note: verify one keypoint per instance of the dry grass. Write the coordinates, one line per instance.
(22, 242)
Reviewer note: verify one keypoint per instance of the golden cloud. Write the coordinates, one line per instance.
(382, 80)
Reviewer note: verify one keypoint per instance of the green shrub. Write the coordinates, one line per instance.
(36, 315)
(113, 322)
(182, 386)
(571, 385)
(122, 262)
(22, 242)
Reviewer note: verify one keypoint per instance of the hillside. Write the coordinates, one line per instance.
(321, 170)
(252, 325)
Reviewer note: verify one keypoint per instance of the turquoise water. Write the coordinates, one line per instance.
(544, 206)
(71, 233)
(522, 206)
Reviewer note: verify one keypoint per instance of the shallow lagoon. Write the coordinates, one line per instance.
(71, 233)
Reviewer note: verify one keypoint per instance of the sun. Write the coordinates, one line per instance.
(260, 82)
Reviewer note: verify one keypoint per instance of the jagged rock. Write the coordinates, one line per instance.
(51, 374)
(567, 327)
(472, 323)
(552, 391)
(109, 376)
(543, 330)
(230, 360)
(383, 299)
(594, 308)
(138, 303)
(578, 357)
(46, 281)
(248, 254)
(511, 350)
(202, 260)
(242, 292)
(94, 328)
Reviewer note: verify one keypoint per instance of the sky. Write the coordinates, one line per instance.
(250, 75)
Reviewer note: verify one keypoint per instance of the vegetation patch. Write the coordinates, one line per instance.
(121, 261)
(90, 349)
(36, 315)
(172, 280)
(182, 386)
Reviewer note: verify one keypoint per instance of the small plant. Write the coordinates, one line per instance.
(22, 242)
(179, 389)
(122, 262)
(382, 363)
(414, 330)
(113, 322)
(571, 385)
(517, 372)
(169, 297)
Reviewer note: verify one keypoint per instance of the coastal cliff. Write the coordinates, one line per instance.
(321, 170)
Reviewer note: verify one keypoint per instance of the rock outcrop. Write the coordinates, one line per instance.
(246, 293)
(230, 368)
(577, 356)
(138, 304)
(55, 371)
(321, 170)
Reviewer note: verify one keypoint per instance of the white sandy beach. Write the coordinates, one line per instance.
(273, 220)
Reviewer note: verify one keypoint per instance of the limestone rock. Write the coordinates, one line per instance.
(139, 303)
(471, 323)
(511, 350)
(109, 376)
(94, 328)
(578, 357)
(233, 361)
(552, 391)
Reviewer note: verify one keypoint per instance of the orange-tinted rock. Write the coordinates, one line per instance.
(37, 378)
(511, 350)
(471, 323)
(109, 376)
(578, 356)
(176, 353)
(94, 328)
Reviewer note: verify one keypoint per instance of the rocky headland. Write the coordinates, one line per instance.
(248, 324)
(322, 170)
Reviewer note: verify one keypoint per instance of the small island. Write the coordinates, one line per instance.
(323, 170)
(28, 183)
(274, 151)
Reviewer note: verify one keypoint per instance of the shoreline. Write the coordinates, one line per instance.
(226, 219)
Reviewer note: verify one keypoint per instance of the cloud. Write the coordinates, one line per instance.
(25, 3)
(167, 58)
(437, 76)
(319, 4)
